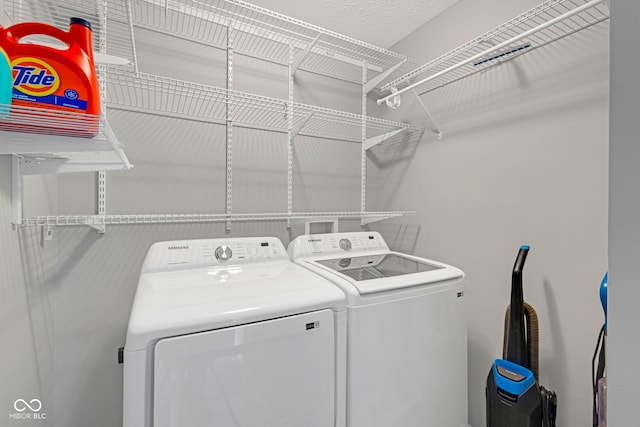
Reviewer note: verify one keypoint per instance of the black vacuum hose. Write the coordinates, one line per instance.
(532, 337)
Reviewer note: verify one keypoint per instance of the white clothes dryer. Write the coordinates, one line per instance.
(406, 330)
(230, 333)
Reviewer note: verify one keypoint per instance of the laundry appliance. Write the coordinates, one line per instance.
(406, 330)
(229, 332)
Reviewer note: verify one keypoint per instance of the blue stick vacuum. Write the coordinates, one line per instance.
(513, 395)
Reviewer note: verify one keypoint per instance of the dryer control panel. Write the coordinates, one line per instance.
(181, 254)
(337, 243)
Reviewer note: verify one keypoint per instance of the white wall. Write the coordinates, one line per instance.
(523, 161)
(623, 350)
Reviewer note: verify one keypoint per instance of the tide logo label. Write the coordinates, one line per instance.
(33, 76)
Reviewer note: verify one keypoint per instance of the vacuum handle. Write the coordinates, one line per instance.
(516, 343)
(520, 259)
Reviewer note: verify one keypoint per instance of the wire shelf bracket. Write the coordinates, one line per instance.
(299, 59)
(381, 216)
(98, 224)
(436, 128)
(375, 81)
(295, 131)
(373, 141)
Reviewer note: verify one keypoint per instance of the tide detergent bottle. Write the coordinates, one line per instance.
(54, 90)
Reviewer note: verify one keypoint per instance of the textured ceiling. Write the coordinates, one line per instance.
(380, 22)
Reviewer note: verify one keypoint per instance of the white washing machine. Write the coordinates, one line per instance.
(406, 330)
(230, 333)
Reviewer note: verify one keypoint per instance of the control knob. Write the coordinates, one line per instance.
(345, 244)
(223, 253)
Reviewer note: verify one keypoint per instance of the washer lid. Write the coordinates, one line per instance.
(370, 267)
(194, 298)
(361, 263)
(384, 271)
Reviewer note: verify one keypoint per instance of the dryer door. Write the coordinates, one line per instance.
(276, 373)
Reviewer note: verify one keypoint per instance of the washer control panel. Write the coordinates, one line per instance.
(175, 255)
(337, 243)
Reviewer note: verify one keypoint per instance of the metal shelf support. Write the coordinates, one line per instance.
(16, 191)
(102, 198)
(436, 128)
(134, 53)
(291, 133)
(297, 61)
(229, 127)
(363, 155)
(376, 218)
(301, 124)
(97, 225)
(375, 140)
(374, 82)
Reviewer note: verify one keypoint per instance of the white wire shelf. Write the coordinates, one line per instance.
(103, 220)
(541, 25)
(103, 14)
(59, 141)
(20, 118)
(264, 34)
(258, 32)
(195, 101)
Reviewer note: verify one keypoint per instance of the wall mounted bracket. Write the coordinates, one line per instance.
(98, 224)
(371, 84)
(298, 127)
(375, 140)
(297, 62)
(373, 218)
(436, 128)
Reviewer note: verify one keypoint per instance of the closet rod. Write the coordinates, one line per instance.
(497, 47)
